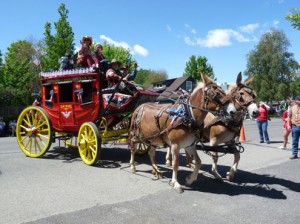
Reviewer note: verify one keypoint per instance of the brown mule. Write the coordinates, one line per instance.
(217, 131)
(152, 124)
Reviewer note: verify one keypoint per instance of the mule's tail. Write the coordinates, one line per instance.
(134, 126)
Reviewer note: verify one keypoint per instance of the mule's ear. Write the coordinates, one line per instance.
(205, 78)
(239, 79)
(249, 80)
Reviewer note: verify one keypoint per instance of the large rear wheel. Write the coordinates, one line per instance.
(89, 143)
(34, 131)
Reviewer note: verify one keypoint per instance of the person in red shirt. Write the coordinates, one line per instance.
(262, 122)
(286, 131)
(85, 58)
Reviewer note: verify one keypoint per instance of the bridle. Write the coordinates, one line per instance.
(238, 97)
(211, 93)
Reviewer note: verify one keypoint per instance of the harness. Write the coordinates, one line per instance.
(188, 120)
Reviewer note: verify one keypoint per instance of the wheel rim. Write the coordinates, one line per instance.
(89, 143)
(142, 149)
(33, 131)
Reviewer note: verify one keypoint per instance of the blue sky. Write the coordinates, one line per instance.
(162, 34)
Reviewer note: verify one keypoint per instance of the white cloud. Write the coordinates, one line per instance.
(137, 49)
(221, 38)
(249, 28)
(188, 41)
(140, 50)
(191, 30)
(275, 23)
(168, 28)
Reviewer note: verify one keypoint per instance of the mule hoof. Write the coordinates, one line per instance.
(133, 170)
(178, 190)
(168, 164)
(229, 177)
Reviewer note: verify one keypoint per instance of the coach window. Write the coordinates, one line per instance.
(87, 93)
(65, 92)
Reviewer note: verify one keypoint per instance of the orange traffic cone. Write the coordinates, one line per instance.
(242, 134)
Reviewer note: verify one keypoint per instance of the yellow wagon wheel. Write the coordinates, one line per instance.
(89, 143)
(142, 149)
(34, 131)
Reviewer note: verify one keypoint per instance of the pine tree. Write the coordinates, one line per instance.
(197, 65)
(60, 43)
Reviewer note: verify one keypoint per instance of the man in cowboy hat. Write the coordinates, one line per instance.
(85, 54)
(113, 75)
(125, 72)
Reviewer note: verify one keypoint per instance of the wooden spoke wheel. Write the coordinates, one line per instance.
(34, 131)
(142, 149)
(89, 143)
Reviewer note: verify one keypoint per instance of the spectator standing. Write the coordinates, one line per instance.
(294, 117)
(286, 131)
(262, 122)
(12, 126)
(2, 126)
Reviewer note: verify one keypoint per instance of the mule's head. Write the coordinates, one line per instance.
(214, 97)
(244, 96)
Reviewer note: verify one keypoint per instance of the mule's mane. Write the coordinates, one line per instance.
(199, 86)
(230, 88)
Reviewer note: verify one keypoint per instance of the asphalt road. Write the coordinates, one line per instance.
(60, 188)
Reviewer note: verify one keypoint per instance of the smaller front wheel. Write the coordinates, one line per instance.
(89, 143)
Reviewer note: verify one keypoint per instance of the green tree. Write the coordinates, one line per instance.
(273, 66)
(119, 53)
(197, 65)
(1, 69)
(146, 77)
(294, 18)
(20, 75)
(58, 44)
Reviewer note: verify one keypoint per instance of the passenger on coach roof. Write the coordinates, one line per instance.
(100, 61)
(85, 57)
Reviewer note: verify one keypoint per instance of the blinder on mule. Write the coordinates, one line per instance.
(215, 94)
(241, 98)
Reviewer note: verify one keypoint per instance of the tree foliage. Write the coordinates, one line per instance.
(146, 77)
(294, 18)
(273, 67)
(197, 65)
(20, 75)
(60, 43)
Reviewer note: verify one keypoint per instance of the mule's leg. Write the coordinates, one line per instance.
(168, 157)
(214, 169)
(132, 158)
(192, 153)
(189, 158)
(175, 164)
(233, 169)
(155, 170)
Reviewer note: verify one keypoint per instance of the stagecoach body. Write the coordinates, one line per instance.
(78, 110)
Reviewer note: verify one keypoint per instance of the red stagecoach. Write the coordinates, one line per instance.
(76, 107)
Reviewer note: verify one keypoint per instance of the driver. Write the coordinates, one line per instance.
(113, 75)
